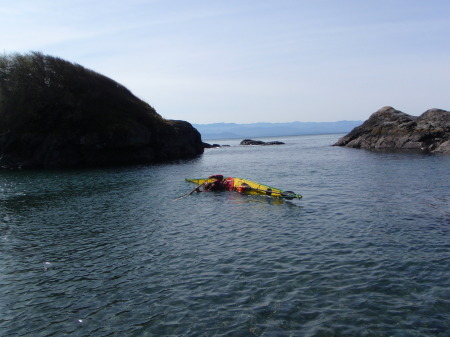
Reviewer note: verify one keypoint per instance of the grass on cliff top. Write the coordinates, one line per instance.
(40, 93)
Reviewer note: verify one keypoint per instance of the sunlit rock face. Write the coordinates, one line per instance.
(389, 128)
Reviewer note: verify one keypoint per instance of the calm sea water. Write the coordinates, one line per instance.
(109, 253)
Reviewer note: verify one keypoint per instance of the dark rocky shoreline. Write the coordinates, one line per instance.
(55, 114)
(389, 128)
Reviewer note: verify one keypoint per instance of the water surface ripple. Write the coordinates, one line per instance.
(109, 253)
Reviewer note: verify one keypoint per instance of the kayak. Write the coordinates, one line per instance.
(246, 186)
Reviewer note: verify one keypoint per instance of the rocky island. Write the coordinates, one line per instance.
(55, 114)
(259, 142)
(389, 128)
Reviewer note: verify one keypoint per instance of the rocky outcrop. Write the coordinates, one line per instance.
(389, 128)
(259, 142)
(137, 145)
(211, 146)
(55, 114)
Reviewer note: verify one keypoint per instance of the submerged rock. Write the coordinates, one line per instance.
(56, 114)
(389, 128)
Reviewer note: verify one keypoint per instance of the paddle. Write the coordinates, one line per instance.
(189, 193)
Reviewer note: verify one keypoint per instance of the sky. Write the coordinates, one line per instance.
(248, 61)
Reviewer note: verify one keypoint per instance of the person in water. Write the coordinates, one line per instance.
(215, 185)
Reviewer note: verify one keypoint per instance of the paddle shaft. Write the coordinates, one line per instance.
(189, 193)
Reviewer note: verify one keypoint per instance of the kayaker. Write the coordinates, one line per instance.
(215, 185)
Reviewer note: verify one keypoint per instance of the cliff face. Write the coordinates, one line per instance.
(57, 114)
(389, 128)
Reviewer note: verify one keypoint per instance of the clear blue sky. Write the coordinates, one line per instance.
(247, 61)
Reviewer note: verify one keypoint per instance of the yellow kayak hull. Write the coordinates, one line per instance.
(250, 187)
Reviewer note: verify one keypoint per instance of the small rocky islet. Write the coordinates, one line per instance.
(391, 129)
(244, 142)
(56, 114)
(260, 142)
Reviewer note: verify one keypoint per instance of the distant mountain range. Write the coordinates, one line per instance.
(232, 130)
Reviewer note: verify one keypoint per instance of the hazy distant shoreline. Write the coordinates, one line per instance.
(233, 130)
